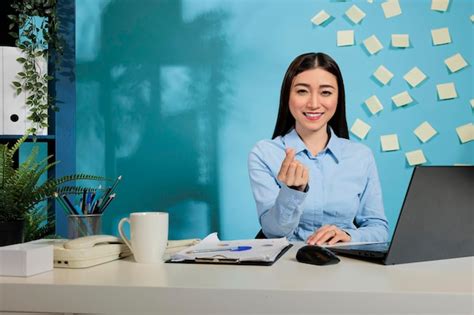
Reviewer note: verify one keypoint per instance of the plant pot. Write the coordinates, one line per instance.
(12, 232)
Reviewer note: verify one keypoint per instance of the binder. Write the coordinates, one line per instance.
(261, 252)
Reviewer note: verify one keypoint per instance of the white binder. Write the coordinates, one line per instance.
(14, 110)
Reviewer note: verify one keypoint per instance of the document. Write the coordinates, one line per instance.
(211, 249)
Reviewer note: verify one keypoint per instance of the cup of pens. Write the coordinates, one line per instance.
(85, 214)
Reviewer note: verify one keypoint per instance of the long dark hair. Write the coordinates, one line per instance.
(285, 121)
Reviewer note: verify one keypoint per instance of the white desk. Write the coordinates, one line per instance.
(287, 287)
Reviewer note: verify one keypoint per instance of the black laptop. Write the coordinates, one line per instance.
(436, 220)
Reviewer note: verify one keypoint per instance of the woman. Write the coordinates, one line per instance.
(310, 182)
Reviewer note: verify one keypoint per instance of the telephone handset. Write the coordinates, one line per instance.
(89, 251)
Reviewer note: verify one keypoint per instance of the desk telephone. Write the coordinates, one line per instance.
(88, 251)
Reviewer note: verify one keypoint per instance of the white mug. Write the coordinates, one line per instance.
(148, 235)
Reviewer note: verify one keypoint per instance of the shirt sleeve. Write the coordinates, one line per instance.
(279, 207)
(370, 220)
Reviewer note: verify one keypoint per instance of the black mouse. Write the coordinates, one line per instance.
(315, 255)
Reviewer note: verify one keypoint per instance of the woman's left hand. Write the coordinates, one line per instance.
(328, 233)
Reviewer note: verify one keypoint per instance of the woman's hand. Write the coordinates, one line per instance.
(292, 172)
(326, 233)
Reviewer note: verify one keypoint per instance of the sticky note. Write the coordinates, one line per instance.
(446, 91)
(465, 132)
(415, 157)
(425, 132)
(355, 14)
(383, 75)
(360, 128)
(400, 40)
(414, 77)
(389, 142)
(455, 62)
(370, 1)
(472, 102)
(320, 18)
(345, 38)
(374, 104)
(391, 8)
(472, 18)
(373, 45)
(440, 36)
(402, 99)
(439, 5)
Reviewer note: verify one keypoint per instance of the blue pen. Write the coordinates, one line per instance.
(225, 249)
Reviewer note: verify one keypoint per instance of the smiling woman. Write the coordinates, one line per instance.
(310, 182)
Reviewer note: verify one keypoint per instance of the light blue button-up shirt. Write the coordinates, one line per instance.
(344, 190)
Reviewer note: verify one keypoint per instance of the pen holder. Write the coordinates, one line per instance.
(84, 225)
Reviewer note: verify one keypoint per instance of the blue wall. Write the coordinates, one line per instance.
(173, 94)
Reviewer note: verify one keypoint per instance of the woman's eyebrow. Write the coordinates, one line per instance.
(322, 86)
(303, 84)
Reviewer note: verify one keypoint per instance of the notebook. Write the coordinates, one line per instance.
(435, 222)
(211, 250)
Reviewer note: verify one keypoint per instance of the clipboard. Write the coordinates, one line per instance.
(231, 261)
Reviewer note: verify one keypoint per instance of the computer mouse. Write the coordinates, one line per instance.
(316, 255)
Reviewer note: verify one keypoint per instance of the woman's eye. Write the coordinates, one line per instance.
(301, 92)
(326, 93)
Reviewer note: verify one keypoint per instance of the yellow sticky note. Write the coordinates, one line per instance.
(374, 104)
(400, 40)
(383, 75)
(402, 99)
(320, 17)
(446, 91)
(415, 157)
(355, 14)
(472, 18)
(373, 45)
(425, 132)
(439, 5)
(360, 128)
(414, 77)
(465, 132)
(391, 8)
(389, 142)
(472, 102)
(345, 38)
(455, 62)
(440, 36)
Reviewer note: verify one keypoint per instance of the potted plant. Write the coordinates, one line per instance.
(21, 190)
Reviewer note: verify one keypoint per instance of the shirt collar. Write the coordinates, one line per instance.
(334, 146)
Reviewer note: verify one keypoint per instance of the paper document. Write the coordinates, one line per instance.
(262, 250)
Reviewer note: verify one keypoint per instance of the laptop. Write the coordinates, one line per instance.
(436, 220)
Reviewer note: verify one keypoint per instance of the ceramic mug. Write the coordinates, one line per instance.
(148, 235)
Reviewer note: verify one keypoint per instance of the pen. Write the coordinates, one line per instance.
(225, 249)
(102, 209)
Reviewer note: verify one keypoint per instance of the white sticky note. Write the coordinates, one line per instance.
(402, 99)
(425, 132)
(370, 1)
(360, 128)
(383, 75)
(355, 14)
(400, 40)
(345, 38)
(414, 77)
(446, 91)
(320, 17)
(472, 102)
(465, 132)
(415, 157)
(374, 105)
(391, 8)
(373, 45)
(439, 5)
(389, 142)
(440, 36)
(472, 18)
(455, 62)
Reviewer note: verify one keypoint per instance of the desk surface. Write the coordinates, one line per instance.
(287, 287)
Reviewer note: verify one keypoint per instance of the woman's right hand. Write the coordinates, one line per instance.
(292, 173)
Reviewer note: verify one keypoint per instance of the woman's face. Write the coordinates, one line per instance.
(313, 100)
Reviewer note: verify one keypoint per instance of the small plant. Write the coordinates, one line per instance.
(20, 191)
(38, 23)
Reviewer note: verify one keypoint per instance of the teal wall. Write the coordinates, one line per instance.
(173, 95)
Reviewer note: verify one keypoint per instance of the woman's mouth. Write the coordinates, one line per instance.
(313, 115)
